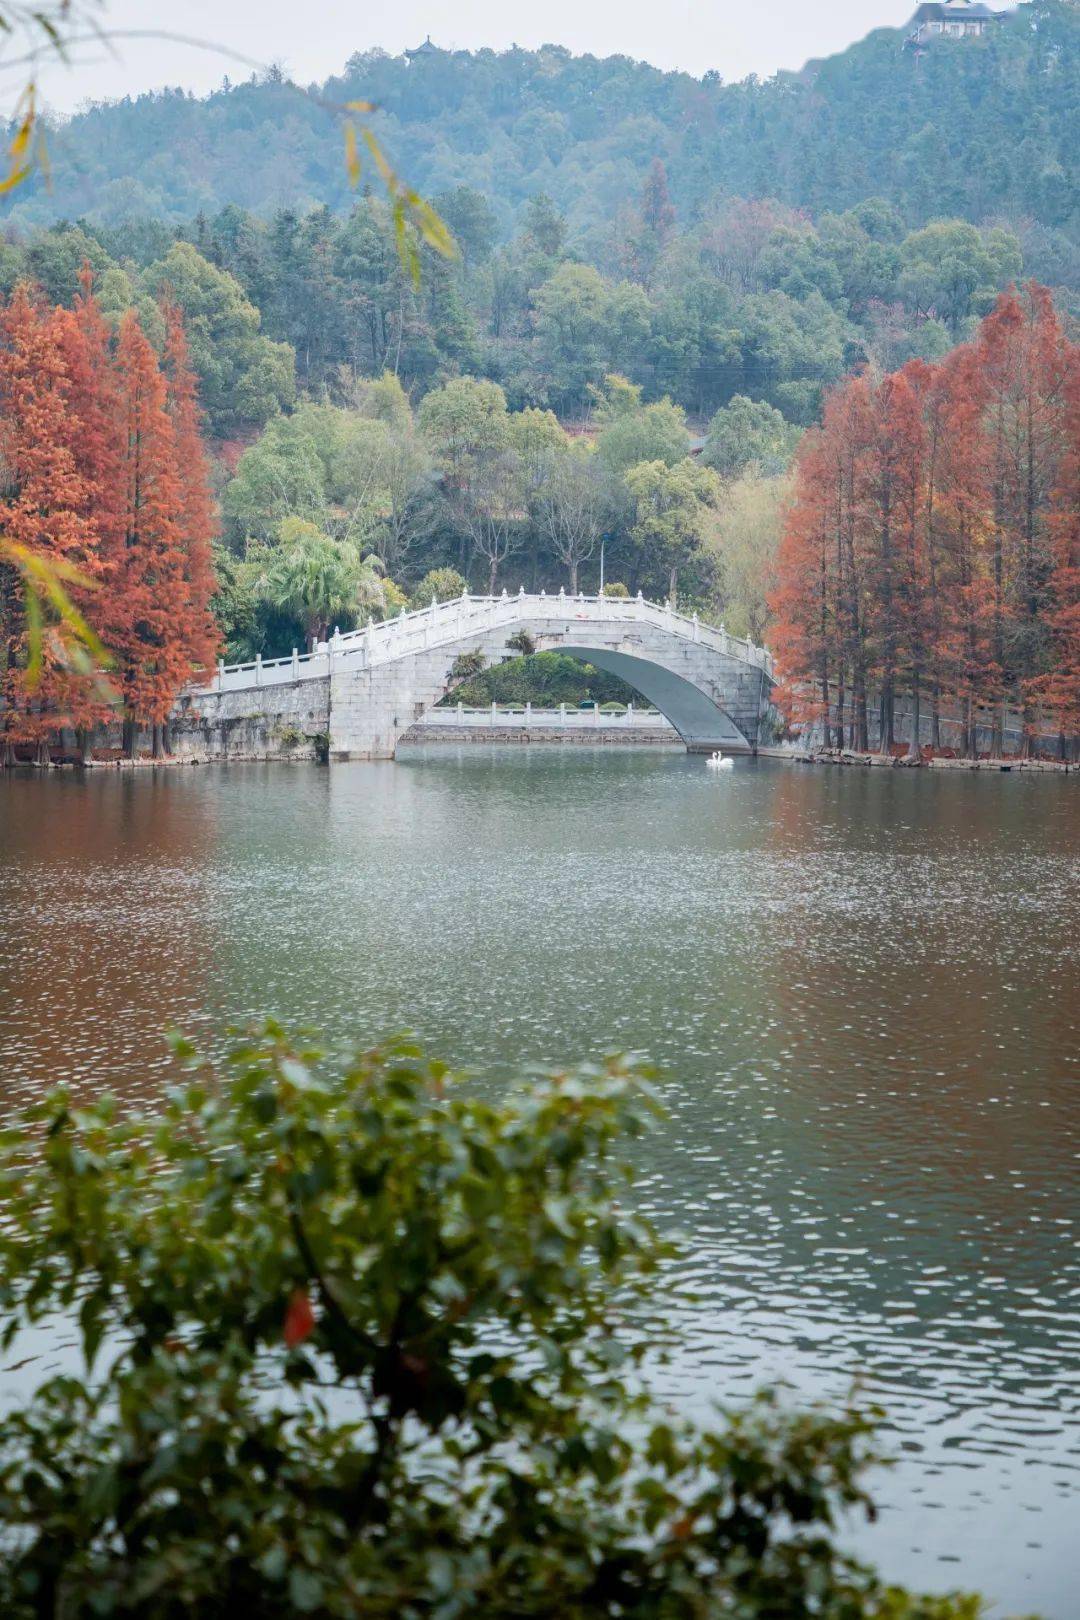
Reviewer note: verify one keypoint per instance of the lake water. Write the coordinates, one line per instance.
(863, 988)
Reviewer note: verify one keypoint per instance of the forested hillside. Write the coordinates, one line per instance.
(974, 129)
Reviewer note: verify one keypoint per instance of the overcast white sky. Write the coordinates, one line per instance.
(313, 38)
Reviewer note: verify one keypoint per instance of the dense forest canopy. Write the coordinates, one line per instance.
(974, 128)
(757, 300)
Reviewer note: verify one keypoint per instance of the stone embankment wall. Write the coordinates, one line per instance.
(649, 736)
(274, 722)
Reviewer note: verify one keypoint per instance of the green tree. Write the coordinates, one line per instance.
(544, 225)
(471, 220)
(375, 292)
(357, 1341)
(320, 580)
(407, 495)
(652, 433)
(573, 506)
(439, 585)
(465, 423)
(355, 476)
(54, 260)
(572, 318)
(537, 437)
(492, 510)
(671, 509)
(244, 377)
(616, 396)
(236, 605)
(743, 538)
(385, 399)
(952, 270)
(282, 474)
(748, 430)
(789, 348)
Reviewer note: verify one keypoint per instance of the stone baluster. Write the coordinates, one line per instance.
(697, 627)
(220, 673)
(528, 716)
(295, 665)
(258, 669)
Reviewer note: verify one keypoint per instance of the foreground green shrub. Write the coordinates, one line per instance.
(358, 1343)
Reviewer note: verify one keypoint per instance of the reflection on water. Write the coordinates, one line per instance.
(863, 988)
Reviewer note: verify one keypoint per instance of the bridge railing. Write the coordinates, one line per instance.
(526, 717)
(457, 619)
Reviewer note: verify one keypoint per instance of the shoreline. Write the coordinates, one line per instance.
(510, 737)
(872, 760)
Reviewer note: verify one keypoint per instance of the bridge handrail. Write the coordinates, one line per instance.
(452, 620)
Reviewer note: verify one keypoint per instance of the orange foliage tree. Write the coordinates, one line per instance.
(1059, 687)
(198, 518)
(105, 472)
(931, 553)
(46, 504)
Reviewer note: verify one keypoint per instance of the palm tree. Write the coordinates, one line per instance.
(319, 579)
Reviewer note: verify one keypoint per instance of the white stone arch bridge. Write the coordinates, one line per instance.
(366, 689)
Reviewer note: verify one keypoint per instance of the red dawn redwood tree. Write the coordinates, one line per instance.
(1059, 688)
(904, 403)
(198, 517)
(805, 635)
(844, 436)
(1021, 354)
(950, 495)
(149, 589)
(887, 493)
(92, 383)
(44, 508)
(103, 472)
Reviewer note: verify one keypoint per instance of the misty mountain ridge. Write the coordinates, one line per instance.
(982, 129)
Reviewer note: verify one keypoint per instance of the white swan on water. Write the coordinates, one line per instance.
(717, 762)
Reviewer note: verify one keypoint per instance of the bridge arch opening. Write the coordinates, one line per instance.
(699, 722)
(545, 678)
